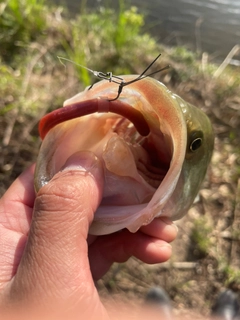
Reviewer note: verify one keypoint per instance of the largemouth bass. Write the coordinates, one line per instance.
(154, 148)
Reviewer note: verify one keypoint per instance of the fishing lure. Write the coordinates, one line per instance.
(102, 105)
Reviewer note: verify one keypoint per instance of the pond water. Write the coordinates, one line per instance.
(204, 25)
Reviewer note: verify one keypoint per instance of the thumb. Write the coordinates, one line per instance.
(55, 261)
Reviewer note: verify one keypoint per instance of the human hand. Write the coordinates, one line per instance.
(45, 253)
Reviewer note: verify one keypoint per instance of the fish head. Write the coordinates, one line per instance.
(146, 141)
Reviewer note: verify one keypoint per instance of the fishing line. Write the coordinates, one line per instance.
(109, 76)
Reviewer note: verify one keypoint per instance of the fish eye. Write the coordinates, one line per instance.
(196, 140)
(195, 144)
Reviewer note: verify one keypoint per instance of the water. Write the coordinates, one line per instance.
(211, 26)
(204, 25)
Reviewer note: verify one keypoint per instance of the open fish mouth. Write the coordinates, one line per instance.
(140, 139)
(151, 160)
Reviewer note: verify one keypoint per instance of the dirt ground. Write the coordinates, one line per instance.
(206, 253)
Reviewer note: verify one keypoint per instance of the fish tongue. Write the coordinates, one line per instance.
(119, 159)
(123, 183)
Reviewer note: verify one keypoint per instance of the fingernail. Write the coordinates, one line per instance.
(163, 248)
(162, 244)
(175, 226)
(169, 222)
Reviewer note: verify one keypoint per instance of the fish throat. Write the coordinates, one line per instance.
(151, 161)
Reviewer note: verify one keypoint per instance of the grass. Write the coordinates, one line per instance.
(21, 22)
(92, 39)
(200, 236)
(33, 36)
